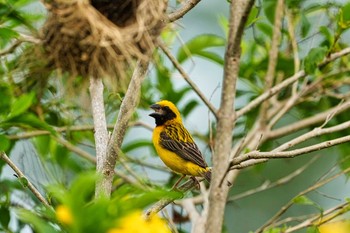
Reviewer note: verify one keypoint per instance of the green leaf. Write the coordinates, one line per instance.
(197, 45)
(253, 16)
(344, 18)
(6, 35)
(136, 144)
(24, 181)
(223, 22)
(5, 216)
(303, 200)
(40, 225)
(305, 25)
(4, 143)
(270, 9)
(328, 36)
(21, 104)
(315, 56)
(265, 28)
(6, 98)
(27, 119)
(189, 107)
(313, 229)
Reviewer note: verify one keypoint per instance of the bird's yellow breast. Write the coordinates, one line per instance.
(174, 161)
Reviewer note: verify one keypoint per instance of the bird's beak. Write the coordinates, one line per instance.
(157, 110)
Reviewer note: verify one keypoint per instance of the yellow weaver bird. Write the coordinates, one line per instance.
(175, 145)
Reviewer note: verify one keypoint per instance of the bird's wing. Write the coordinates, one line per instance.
(178, 140)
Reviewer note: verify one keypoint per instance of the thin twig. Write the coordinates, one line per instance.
(320, 117)
(186, 7)
(72, 128)
(273, 58)
(291, 153)
(291, 202)
(80, 152)
(279, 182)
(177, 65)
(274, 90)
(318, 219)
(20, 175)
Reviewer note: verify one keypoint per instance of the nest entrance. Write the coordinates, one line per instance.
(101, 38)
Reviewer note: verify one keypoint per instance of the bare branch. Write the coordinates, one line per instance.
(20, 175)
(273, 56)
(292, 153)
(177, 65)
(291, 202)
(100, 126)
(308, 121)
(319, 218)
(279, 182)
(314, 133)
(127, 108)
(18, 42)
(274, 90)
(186, 7)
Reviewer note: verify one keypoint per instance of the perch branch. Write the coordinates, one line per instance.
(188, 185)
(20, 175)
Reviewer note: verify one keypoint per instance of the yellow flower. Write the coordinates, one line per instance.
(335, 227)
(64, 215)
(135, 223)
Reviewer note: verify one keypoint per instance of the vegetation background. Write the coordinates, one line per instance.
(47, 127)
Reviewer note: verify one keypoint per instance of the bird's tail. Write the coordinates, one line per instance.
(207, 176)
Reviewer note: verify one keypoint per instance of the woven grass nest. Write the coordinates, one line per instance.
(101, 38)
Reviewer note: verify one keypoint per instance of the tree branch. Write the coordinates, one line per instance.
(274, 90)
(20, 175)
(279, 182)
(100, 127)
(277, 133)
(273, 56)
(76, 149)
(239, 11)
(188, 185)
(291, 202)
(177, 65)
(288, 154)
(186, 7)
(127, 108)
